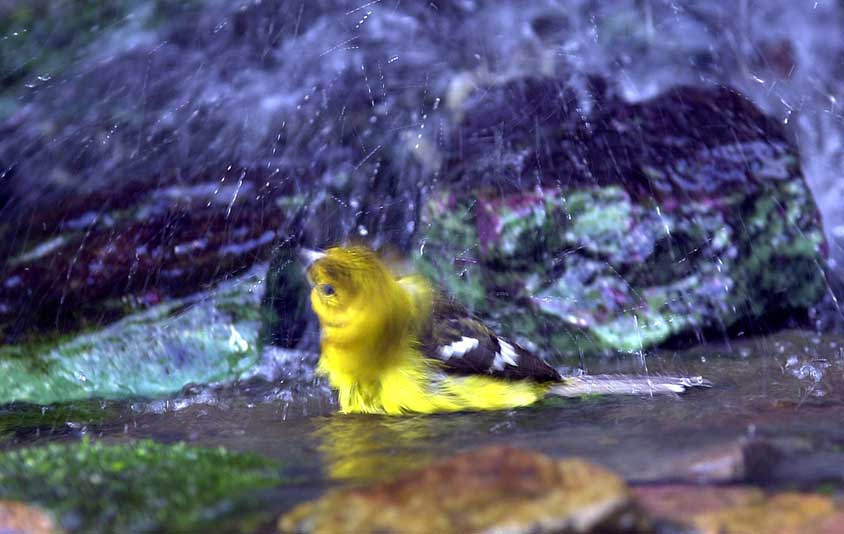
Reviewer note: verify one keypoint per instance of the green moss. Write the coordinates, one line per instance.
(633, 332)
(615, 274)
(522, 233)
(595, 214)
(45, 38)
(29, 417)
(29, 354)
(551, 402)
(777, 233)
(829, 489)
(41, 36)
(451, 251)
(134, 487)
(591, 397)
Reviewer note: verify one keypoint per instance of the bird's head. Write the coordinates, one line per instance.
(352, 291)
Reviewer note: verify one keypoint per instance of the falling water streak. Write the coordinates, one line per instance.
(236, 192)
(364, 160)
(642, 358)
(368, 4)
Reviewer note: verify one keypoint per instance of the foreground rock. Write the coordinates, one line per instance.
(675, 217)
(502, 489)
(18, 518)
(497, 489)
(780, 514)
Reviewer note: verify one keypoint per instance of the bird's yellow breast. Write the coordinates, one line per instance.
(418, 385)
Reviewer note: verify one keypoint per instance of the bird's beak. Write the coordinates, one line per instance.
(308, 256)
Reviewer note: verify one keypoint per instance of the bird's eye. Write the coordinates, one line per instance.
(327, 289)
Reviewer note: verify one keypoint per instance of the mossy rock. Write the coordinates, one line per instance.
(141, 486)
(208, 337)
(29, 418)
(635, 230)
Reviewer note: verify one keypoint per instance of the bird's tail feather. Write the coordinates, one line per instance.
(578, 386)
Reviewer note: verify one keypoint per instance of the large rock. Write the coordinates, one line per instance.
(674, 217)
(141, 289)
(492, 490)
(94, 259)
(211, 336)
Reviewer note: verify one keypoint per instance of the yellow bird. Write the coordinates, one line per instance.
(392, 344)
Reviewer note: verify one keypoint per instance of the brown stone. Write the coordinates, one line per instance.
(785, 513)
(833, 524)
(20, 518)
(497, 489)
(740, 510)
(741, 461)
(680, 502)
(718, 464)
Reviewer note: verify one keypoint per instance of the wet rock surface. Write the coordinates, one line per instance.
(212, 336)
(680, 503)
(87, 263)
(683, 215)
(496, 489)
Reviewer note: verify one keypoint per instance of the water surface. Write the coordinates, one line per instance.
(785, 391)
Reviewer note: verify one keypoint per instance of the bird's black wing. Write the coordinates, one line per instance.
(467, 346)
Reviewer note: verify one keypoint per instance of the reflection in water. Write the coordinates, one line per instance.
(367, 447)
(756, 387)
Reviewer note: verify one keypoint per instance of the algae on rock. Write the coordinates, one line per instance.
(205, 338)
(651, 222)
(134, 487)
